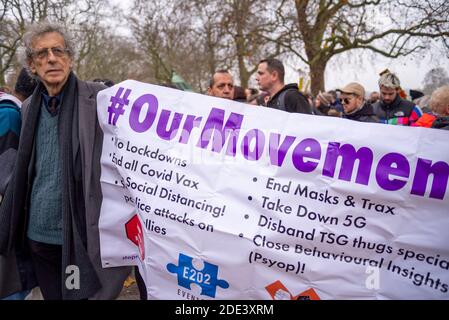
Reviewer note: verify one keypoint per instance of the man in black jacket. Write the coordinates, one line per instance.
(354, 104)
(391, 108)
(270, 77)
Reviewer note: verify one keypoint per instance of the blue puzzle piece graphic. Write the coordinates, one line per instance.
(206, 278)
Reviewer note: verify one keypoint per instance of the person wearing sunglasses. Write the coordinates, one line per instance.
(354, 104)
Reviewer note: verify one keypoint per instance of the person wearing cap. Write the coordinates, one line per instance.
(354, 104)
(391, 108)
(323, 103)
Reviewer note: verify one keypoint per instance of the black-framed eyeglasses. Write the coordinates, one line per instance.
(44, 52)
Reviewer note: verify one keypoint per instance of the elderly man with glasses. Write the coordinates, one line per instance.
(52, 205)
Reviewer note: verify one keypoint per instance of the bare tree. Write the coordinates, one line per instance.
(321, 29)
(248, 23)
(160, 30)
(14, 17)
(211, 39)
(434, 79)
(82, 17)
(111, 57)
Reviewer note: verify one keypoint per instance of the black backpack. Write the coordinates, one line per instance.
(280, 103)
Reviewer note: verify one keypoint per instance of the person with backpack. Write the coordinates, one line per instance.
(10, 124)
(13, 286)
(270, 77)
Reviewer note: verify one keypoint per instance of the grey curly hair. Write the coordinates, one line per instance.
(39, 29)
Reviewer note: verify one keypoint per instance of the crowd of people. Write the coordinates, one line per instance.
(50, 148)
(389, 106)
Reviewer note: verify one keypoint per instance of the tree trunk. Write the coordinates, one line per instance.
(241, 53)
(317, 76)
(244, 74)
(2, 74)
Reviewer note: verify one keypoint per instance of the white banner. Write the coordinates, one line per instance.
(214, 199)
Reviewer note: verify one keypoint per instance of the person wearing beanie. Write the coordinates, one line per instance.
(323, 103)
(354, 104)
(391, 108)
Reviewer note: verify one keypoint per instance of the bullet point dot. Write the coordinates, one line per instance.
(250, 198)
(255, 179)
(241, 235)
(246, 216)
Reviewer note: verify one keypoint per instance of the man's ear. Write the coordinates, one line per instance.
(209, 91)
(32, 66)
(361, 99)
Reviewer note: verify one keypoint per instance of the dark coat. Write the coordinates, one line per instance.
(10, 123)
(399, 112)
(441, 123)
(366, 114)
(90, 144)
(293, 100)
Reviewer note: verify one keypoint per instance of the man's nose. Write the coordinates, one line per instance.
(51, 56)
